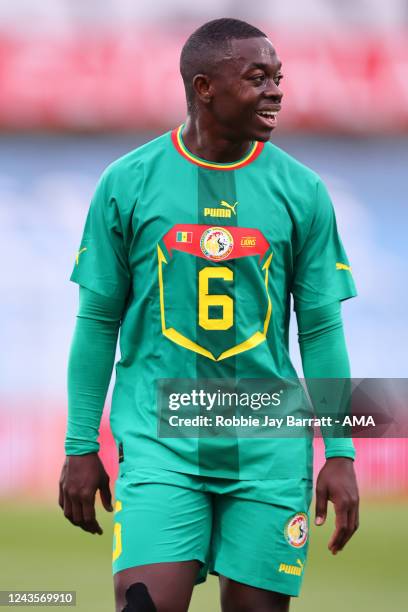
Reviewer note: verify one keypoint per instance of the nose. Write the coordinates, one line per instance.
(272, 91)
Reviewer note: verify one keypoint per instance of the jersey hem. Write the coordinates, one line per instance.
(306, 474)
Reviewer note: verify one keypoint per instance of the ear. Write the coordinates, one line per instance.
(203, 88)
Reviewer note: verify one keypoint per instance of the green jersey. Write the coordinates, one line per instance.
(207, 256)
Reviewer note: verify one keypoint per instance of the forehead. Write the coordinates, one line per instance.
(242, 54)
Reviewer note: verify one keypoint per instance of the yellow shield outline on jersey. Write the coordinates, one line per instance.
(178, 338)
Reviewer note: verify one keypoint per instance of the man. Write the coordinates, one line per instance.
(192, 246)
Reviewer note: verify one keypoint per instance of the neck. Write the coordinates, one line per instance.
(207, 141)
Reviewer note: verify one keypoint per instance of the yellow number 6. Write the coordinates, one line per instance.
(205, 300)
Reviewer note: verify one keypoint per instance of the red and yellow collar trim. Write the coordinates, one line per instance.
(181, 148)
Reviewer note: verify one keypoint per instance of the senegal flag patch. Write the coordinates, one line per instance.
(184, 237)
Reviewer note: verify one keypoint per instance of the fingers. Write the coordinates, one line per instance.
(88, 510)
(68, 509)
(338, 538)
(61, 497)
(321, 505)
(347, 520)
(81, 477)
(61, 487)
(77, 516)
(106, 495)
(353, 518)
(337, 482)
(80, 510)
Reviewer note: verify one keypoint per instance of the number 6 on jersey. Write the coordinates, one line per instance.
(205, 299)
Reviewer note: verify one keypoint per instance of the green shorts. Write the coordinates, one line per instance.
(252, 531)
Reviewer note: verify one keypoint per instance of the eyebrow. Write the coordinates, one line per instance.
(263, 66)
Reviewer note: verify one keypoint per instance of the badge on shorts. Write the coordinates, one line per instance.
(296, 530)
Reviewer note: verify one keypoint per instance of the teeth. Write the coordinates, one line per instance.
(267, 114)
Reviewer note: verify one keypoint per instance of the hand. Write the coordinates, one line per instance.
(81, 477)
(337, 482)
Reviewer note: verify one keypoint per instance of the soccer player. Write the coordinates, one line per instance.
(192, 247)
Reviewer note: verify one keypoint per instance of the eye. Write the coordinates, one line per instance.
(278, 79)
(258, 78)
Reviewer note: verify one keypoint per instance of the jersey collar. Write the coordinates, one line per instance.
(249, 157)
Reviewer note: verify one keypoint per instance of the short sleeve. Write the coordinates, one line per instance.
(322, 272)
(101, 263)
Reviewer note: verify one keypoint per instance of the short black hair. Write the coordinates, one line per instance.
(200, 51)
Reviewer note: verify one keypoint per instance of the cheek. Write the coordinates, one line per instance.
(234, 105)
(224, 110)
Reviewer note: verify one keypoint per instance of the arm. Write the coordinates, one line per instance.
(324, 355)
(89, 371)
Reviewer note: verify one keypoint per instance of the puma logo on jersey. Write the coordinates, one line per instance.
(225, 212)
(230, 206)
(294, 570)
(79, 253)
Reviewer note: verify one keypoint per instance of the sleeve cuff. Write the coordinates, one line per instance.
(75, 446)
(349, 452)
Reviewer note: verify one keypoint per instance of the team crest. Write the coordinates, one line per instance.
(216, 243)
(296, 530)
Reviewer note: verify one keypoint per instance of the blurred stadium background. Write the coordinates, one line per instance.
(82, 82)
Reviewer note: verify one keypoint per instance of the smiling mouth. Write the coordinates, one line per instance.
(268, 117)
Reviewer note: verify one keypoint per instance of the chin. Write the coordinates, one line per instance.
(263, 136)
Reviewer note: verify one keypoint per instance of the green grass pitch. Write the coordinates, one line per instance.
(41, 550)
